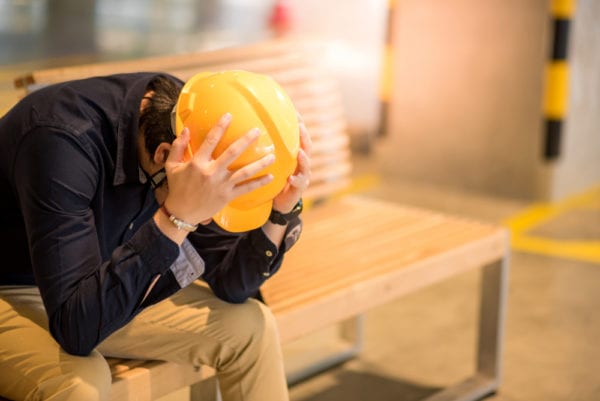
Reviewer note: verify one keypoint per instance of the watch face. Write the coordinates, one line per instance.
(298, 208)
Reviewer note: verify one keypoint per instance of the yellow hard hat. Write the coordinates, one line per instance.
(254, 100)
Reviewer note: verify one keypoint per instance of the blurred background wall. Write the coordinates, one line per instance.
(467, 77)
(579, 165)
(468, 92)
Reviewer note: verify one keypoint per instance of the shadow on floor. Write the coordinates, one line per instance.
(360, 386)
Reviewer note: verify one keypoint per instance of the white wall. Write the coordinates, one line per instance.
(578, 167)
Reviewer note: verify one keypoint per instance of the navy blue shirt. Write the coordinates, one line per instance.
(76, 218)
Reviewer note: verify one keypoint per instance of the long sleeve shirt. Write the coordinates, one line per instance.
(76, 216)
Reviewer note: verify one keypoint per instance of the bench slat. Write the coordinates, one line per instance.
(412, 236)
(159, 63)
(364, 276)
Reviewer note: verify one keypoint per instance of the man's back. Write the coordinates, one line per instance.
(89, 117)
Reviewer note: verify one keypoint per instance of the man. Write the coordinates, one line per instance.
(104, 231)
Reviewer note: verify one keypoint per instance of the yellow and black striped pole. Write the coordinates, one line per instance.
(557, 77)
(385, 84)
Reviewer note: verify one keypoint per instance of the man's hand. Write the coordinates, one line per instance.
(297, 183)
(201, 187)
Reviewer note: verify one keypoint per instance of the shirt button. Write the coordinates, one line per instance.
(268, 253)
(131, 226)
(266, 274)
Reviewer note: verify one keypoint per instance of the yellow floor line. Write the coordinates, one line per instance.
(542, 212)
(588, 251)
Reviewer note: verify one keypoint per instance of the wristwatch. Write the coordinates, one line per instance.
(283, 218)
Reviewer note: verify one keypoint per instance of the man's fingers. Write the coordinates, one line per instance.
(179, 146)
(251, 169)
(234, 150)
(301, 179)
(213, 137)
(303, 162)
(251, 185)
(305, 140)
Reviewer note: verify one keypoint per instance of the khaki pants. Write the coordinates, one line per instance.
(193, 326)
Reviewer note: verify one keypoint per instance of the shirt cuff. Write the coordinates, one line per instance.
(270, 254)
(188, 266)
(292, 233)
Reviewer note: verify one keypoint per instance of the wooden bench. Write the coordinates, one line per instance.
(356, 253)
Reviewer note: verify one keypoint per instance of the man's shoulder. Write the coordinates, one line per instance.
(132, 77)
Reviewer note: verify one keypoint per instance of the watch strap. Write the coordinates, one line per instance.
(282, 219)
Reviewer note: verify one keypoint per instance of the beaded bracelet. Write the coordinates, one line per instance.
(177, 222)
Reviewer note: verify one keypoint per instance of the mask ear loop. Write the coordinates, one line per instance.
(157, 179)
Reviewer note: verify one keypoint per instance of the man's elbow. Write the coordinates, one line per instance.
(237, 297)
(77, 349)
(73, 343)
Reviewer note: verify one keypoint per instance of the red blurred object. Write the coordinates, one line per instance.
(281, 17)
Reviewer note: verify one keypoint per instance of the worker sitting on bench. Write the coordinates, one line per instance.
(108, 221)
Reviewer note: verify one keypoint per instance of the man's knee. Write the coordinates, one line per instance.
(255, 322)
(78, 378)
(253, 331)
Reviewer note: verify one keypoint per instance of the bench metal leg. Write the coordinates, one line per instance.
(491, 319)
(206, 390)
(352, 333)
(494, 290)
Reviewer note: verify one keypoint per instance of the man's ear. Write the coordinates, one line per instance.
(161, 153)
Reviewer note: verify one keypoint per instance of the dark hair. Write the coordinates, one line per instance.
(155, 118)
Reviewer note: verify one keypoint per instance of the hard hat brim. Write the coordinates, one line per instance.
(239, 220)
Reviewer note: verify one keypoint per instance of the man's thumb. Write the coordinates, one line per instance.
(179, 146)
